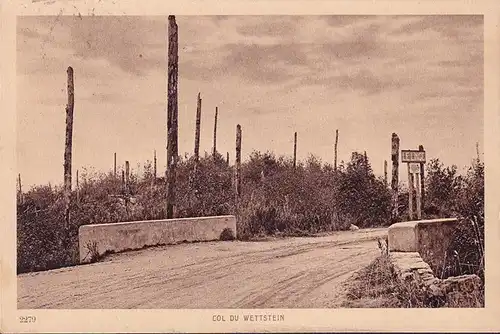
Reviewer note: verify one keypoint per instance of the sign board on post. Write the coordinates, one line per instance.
(415, 160)
(412, 156)
(414, 167)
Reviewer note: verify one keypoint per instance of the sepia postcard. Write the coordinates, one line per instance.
(250, 166)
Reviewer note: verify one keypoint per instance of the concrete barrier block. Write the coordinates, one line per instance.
(402, 237)
(430, 238)
(117, 237)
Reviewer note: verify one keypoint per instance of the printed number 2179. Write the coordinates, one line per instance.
(27, 319)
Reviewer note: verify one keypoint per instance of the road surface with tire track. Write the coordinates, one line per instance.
(308, 272)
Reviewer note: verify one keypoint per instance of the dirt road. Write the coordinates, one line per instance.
(284, 273)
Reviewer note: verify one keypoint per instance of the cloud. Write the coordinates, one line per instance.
(278, 26)
(449, 26)
(361, 46)
(365, 53)
(362, 81)
(345, 20)
(257, 64)
(128, 42)
(268, 64)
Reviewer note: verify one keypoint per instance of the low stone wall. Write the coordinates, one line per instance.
(97, 239)
(410, 266)
(458, 290)
(430, 238)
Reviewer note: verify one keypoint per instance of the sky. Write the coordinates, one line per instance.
(367, 76)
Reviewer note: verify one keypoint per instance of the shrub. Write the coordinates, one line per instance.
(453, 195)
(226, 234)
(93, 252)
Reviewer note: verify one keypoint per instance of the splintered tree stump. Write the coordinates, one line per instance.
(238, 166)
(214, 152)
(197, 130)
(172, 112)
(295, 150)
(68, 147)
(335, 150)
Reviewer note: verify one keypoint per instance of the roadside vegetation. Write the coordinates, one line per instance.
(277, 200)
(448, 195)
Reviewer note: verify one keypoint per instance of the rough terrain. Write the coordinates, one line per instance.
(305, 272)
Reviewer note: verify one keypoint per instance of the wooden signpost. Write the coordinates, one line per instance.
(415, 160)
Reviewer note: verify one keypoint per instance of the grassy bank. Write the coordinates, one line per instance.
(377, 286)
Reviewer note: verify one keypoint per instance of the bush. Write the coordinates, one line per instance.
(453, 195)
(40, 232)
(226, 235)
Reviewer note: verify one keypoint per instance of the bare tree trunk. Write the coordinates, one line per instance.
(68, 148)
(114, 166)
(77, 188)
(127, 178)
(154, 165)
(295, 150)
(197, 131)
(365, 159)
(395, 175)
(237, 180)
(477, 152)
(20, 196)
(335, 150)
(422, 181)
(153, 177)
(127, 188)
(123, 182)
(385, 173)
(193, 180)
(215, 133)
(227, 158)
(172, 110)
